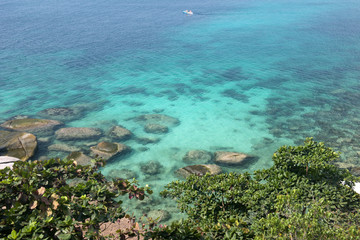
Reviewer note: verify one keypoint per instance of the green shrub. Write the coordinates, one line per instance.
(58, 199)
(300, 197)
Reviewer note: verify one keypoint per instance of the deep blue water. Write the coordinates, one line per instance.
(244, 76)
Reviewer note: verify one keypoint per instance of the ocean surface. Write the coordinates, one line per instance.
(246, 76)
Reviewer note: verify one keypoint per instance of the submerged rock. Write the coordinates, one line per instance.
(6, 161)
(106, 150)
(354, 169)
(62, 113)
(17, 144)
(160, 215)
(62, 147)
(199, 156)
(122, 173)
(80, 158)
(199, 170)
(151, 168)
(77, 133)
(120, 133)
(155, 128)
(31, 125)
(147, 140)
(157, 119)
(231, 158)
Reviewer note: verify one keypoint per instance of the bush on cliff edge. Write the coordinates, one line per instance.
(59, 199)
(303, 196)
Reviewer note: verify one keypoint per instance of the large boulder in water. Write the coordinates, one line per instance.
(6, 161)
(197, 156)
(106, 150)
(157, 119)
(77, 133)
(199, 170)
(17, 144)
(231, 158)
(31, 125)
(120, 133)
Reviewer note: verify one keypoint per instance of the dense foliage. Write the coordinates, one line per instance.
(303, 196)
(59, 199)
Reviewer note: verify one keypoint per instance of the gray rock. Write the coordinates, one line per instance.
(31, 125)
(120, 133)
(62, 147)
(197, 156)
(199, 170)
(155, 128)
(231, 158)
(77, 133)
(151, 168)
(107, 150)
(6, 161)
(160, 215)
(17, 144)
(80, 158)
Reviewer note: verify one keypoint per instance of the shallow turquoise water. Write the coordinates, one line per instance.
(245, 76)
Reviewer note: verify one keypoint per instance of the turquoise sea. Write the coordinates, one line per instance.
(246, 76)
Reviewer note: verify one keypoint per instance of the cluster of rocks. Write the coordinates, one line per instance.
(207, 162)
(21, 136)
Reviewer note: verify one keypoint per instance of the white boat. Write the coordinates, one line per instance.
(188, 12)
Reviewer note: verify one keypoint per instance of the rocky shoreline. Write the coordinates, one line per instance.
(32, 137)
(35, 138)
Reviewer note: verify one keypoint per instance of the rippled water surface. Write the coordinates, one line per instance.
(246, 76)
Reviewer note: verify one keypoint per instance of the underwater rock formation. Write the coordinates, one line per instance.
(62, 147)
(157, 119)
(155, 128)
(160, 215)
(122, 173)
(147, 140)
(62, 113)
(80, 158)
(31, 125)
(151, 168)
(107, 150)
(77, 133)
(197, 156)
(120, 133)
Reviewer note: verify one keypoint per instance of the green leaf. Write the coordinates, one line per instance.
(64, 236)
(13, 235)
